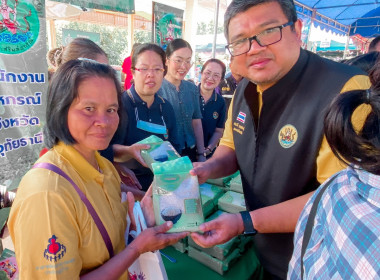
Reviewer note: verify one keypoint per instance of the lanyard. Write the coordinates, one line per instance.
(148, 126)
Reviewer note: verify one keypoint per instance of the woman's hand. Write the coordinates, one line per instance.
(124, 153)
(135, 152)
(127, 176)
(156, 238)
(147, 208)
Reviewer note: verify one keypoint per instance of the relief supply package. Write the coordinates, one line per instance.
(224, 181)
(232, 202)
(159, 150)
(176, 195)
(236, 185)
(210, 195)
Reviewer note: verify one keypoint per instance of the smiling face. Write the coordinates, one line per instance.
(211, 76)
(147, 84)
(264, 66)
(179, 63)
(92, 117)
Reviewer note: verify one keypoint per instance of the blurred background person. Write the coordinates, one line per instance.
(213, 107)
(126, 75)
(228, 85)
(148, 113)
(184, 97)
(50, 225)
(374, 46)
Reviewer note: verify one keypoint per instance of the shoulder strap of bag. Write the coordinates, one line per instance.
(310, 221)
(90, 208)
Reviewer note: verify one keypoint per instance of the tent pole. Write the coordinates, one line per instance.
(131, 30)
(215, 27)
(347, 43)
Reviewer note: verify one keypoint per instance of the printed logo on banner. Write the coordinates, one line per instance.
(241, 117)
(19, 26)
(287, 136)
(54, 250)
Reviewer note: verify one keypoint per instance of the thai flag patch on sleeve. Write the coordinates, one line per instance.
(241, 117)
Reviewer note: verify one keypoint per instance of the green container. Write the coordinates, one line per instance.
(210, 195)
(232, 202)
(176, 195)
(159, 151)
(215, 264)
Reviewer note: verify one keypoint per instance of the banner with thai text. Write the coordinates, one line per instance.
(23, 86)
(124, 6)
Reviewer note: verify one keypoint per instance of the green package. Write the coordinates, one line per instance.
(224, 181)
(232, 202)
(159, 150)
(181, 245)
(176, 195)
(236, 185)
(210, 195)
(217, 265)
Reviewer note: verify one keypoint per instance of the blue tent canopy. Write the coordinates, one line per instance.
(343, 16)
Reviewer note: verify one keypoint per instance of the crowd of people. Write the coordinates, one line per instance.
(286, 118)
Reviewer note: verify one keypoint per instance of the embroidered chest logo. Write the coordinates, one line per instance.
(215, 115)
(287, 136)
(54, 250)
(241, 117)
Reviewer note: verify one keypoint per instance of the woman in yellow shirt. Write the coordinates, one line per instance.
(54, 234)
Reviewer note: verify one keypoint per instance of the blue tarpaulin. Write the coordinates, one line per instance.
(343, 16)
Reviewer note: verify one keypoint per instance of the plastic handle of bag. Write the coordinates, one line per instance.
(90, 208)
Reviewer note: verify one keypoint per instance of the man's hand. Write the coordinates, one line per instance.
(201, 170)
(219, 231)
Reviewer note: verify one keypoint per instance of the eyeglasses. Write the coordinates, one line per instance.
(180, 62)
(214, 76)
(145, 71)
(265, 38)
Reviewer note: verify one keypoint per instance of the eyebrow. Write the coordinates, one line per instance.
(177, 56)
(262, 25)
(92, 103)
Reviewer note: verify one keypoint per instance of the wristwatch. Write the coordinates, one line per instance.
(249, 229)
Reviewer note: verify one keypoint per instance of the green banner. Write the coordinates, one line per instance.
(124, 6)
(23, 87)
(70, 34)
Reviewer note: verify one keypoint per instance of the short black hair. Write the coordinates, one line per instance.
(240, 6)
(177, 44)
(215, 60)
(361, 148)
(372, 45)
(147, 47)
(62, 91)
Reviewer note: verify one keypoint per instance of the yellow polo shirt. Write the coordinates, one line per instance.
(327, 163)
(54, 235)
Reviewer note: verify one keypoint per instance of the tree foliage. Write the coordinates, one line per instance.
(113, 40)
(204, 28)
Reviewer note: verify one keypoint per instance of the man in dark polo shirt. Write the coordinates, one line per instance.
(274, 131)
(228, 85)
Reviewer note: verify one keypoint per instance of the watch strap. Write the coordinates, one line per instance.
(249, 229)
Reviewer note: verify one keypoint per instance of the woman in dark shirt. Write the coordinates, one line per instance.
(148, 113)
(212, 105)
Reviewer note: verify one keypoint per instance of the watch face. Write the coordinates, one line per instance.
(251, 233)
